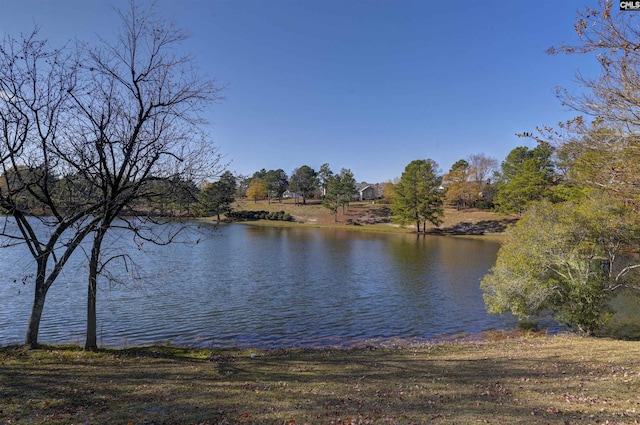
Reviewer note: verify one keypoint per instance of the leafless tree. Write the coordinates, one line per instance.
(34, 104)
(608, 140)
(482, 166)
(138, 124)
(89, 136)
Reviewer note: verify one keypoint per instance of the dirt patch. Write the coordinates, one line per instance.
(379, 215)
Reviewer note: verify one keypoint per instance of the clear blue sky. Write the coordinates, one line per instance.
(368, 85)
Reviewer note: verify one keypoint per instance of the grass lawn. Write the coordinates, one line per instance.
(500, 379)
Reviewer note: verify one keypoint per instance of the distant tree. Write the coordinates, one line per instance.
(459, 189)
(388, 192)
(304, 182)
(28, 186)
(347, 187)
(169, 197)
(257, 189)
(527, 175)
(242, 184)
(324, 175)
(217, 197)
(332, 198)
(418, 197)
(482, 167)
(566, 259)
(513, 162)
(277, 183)
(340, 191)
(259, 174)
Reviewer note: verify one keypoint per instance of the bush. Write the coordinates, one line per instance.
(556, 260)
(484, 204)
(259, 215)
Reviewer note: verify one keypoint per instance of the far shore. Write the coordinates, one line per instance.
(374, 216)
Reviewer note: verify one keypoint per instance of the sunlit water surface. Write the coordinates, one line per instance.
(247, 286)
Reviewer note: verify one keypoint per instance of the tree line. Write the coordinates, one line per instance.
(479, 181)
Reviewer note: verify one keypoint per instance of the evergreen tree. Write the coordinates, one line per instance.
(527, 175)
(418, 195)
(304, 182)
(217, 197)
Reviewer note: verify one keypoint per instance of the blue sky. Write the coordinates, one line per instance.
(368, 85)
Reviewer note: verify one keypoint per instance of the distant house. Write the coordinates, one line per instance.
(365, 192)
(289, 194)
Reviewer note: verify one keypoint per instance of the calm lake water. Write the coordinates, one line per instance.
(262, 287)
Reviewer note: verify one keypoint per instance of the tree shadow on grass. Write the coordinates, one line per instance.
(439, 384)
(478, 228)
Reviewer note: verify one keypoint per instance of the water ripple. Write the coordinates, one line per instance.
(268, 288)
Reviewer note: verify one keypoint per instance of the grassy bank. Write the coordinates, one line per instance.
(376, 217)
(501, 379)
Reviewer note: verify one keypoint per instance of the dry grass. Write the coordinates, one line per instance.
(367, 216)
(313, 213)
(500, 380)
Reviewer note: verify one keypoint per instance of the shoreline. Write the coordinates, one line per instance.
(376, 218)
(497, 237)
(344, 344)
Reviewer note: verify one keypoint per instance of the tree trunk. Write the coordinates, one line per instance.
(91, 343)
(31, 339)
(40, 294)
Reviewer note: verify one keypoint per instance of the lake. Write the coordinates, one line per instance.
(266, 287)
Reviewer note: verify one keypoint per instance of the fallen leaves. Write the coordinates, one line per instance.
(546, 380)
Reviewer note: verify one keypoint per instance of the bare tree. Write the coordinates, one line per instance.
(608, 143)
(482, 166)
(88, 136)
(138, 123)
(34, 104)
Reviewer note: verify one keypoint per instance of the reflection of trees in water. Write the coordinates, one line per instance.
(625, 323)
(446, 269)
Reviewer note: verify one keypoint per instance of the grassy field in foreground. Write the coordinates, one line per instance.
(501, 379)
